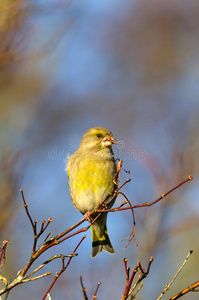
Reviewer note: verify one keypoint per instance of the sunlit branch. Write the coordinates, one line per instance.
(178, 272)
(51, 241)
(129, 280)
(64, 267)
(194, 287)
(48, 261)
(37, 277)
(84, 290)
(95, 294)
(147, 203)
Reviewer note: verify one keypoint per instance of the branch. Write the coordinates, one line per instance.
(191, 288)
(64, 267)
(175, 276)
(37, 277)
(2, 254)
(132, 235)
(52, 241)
(147, 203)
(129, 282)
(47, 261)
(95, 294)
(21, 275)
(84, 290)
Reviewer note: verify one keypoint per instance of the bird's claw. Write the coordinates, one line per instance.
(103, 204)
(87, 216)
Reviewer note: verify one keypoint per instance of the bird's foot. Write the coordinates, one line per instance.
(104, 205)
(87, 216)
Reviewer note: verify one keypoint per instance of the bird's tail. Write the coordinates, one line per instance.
(100, 240)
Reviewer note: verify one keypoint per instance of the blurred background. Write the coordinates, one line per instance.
(131, 67)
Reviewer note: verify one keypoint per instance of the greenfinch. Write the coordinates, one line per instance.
(91, 171)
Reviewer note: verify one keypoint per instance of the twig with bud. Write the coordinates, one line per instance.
(38, 250)
(167, 287)
(84, 290)
(128, 292)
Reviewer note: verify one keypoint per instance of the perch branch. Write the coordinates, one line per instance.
(147, 203)
(52, 241)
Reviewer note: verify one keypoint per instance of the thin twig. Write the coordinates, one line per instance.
(26, 208)
(64, 267)
(83, 288)
(2, 254)
(147, 203)
(132, 235)
(127, 270)
(95, 294)
(142, 275)
(48, 261)
(37, 277)
(136, 292)
(178, 272)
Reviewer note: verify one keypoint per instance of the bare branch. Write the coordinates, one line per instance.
(178, 272)
(129, 282)
(64, 267)
(147, 203)
(191, 288)
(132, 235)
(2, 254)
(27, 211)
(52, 241)
(38, 277)
(95, 294)
(48, 261)
(83, 288)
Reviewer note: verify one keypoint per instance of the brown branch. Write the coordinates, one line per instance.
(95, 294)
(34, 224)
(64, 267)
(147, 203)
(36, 253)
(50, 242)
(129, 282)
(26, 209)
(2, 254)
(127, 270)
(83, 288)
(48, 261)
(132, 235)
(191, 288)
(65, 234)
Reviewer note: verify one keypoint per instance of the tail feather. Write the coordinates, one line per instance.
(100, 243)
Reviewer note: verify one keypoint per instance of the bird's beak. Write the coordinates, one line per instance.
(108, 141)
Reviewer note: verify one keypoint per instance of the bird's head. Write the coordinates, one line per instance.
(97, 138)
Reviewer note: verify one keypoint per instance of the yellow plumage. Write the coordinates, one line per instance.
(91, 170)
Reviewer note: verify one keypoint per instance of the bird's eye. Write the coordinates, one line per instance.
(99, 135)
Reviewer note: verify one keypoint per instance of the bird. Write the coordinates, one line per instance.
(91, 172)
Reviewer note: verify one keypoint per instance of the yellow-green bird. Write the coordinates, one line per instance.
(91, 171)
